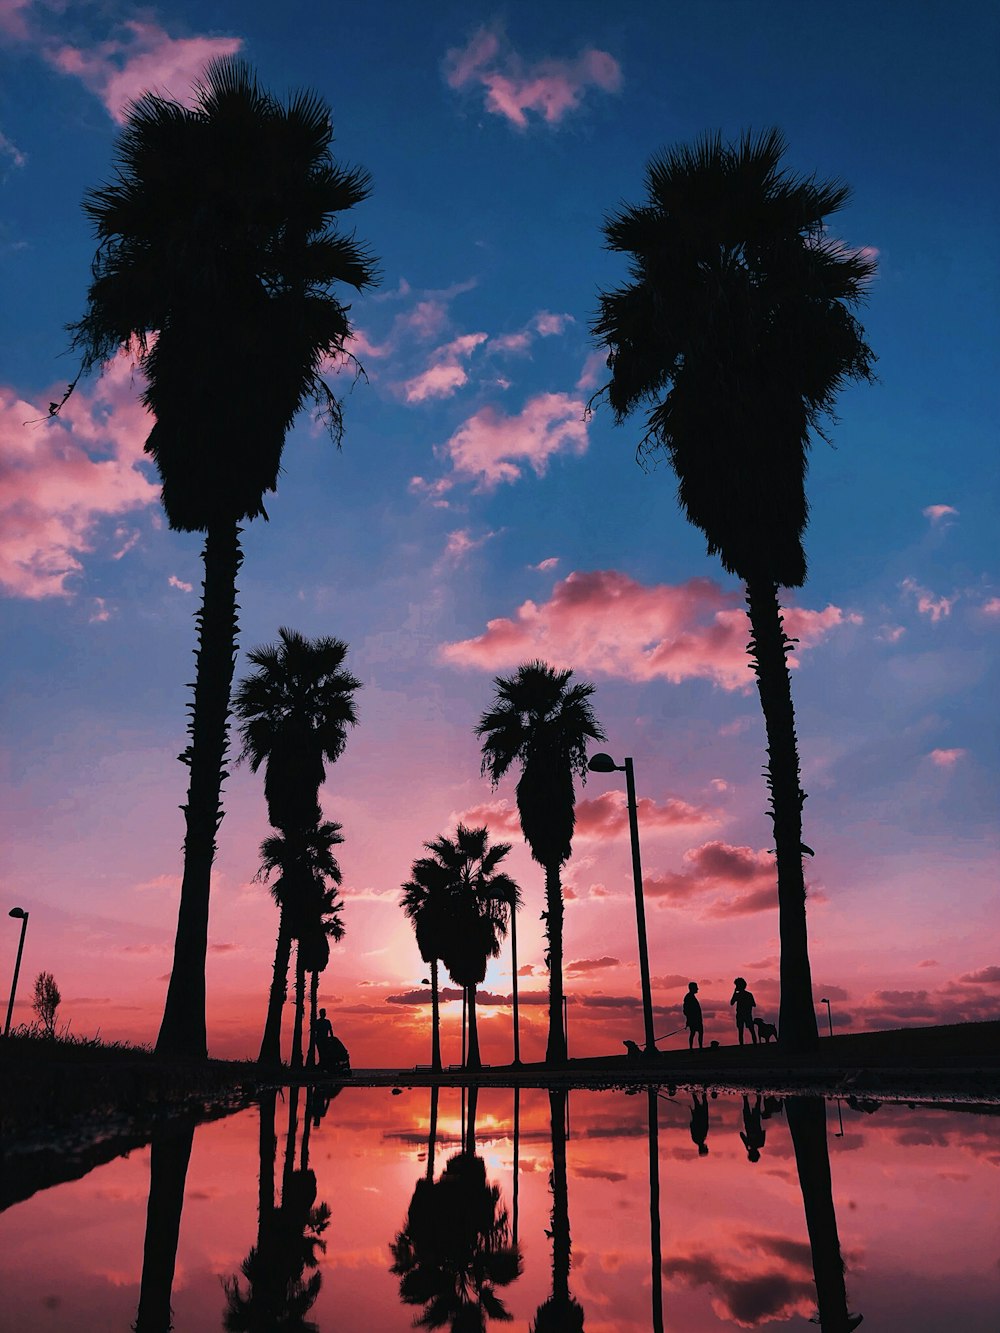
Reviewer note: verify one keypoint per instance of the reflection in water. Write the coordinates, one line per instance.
(170, 1154)
(560, 1313)
(736, 1249)
(278, 1295)
(455, 1248)
(807, 1124)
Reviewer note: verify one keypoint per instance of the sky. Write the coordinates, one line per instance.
(477, 517)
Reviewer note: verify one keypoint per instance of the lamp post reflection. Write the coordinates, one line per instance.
(655, 1246)
(603, 763)
(829, 1013)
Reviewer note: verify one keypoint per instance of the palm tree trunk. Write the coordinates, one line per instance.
(432, 1132)
(469, 1138)
(517, 1163)
(807, 1126)
(435, 1017)
(300, 1005)
(473, 1061)
(270, 1046)
(555, 1051)
(513, 964)
(313, 1002)
(168, 1165)
(182, 1031)
(561, 1247)
(768, 647)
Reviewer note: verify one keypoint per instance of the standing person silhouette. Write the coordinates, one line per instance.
(699, 1122)
(754, 1134)
(745, 1005)
(692, 1016)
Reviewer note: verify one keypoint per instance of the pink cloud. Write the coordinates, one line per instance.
(606, 815)
(890, 633)
(548, 324)
(549, 89)
(581, 966)
(461, 542)
(947, 758)
(928, 604)
(606, 622)
(491, 446)
(928, 962)
(12, 18)
(59, 478)
(991, 607)
(179, 584)
(434, 491)
(514, 344)
(544, 566)
(938, 512)
(594, 370)
(745, 879)
(446, 373)
(499, 816)
(986, 976)
(141, 58)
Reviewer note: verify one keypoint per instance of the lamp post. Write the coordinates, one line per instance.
(829, 1013)
(16, 912)
(603, 763)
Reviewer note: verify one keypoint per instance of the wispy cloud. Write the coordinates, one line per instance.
(446, 373)
(606, 622)
(548, 89)
(928, 603)
(492, 448)
(937, 513)
(947, 758)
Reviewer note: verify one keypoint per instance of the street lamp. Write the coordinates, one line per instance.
(603, 763)
(16, 912)
(829, 1013)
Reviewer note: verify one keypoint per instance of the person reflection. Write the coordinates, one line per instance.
(278, 1294)
(560, 1313)
(169, 1155)
(699, 1122)
(806, 1118)
(455, 1248)
(754, 1133)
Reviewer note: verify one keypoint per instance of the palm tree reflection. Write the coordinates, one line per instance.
(278, 1295)
(560, 1313)
(455, 1248)
(807, 1123)
(168, 1164)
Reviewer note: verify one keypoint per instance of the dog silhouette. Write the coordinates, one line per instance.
(765, 1031)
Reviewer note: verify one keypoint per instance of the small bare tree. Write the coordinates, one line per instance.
(46, 1001)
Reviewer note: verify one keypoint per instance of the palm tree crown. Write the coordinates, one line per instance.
(542, 722)
(295, 711)
(217, 262)
(736, 330)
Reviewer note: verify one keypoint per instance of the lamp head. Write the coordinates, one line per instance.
(602, 763)
(824, 1000)
(18, 911)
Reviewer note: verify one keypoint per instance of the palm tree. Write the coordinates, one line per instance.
(542, 722)
(294, 712)
(304, 861)
(425, 900)
(736, 333)
(480, 898)
(169, 1155)
(217, 263)
(323, 924)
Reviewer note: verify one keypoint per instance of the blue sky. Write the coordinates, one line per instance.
(471, 489)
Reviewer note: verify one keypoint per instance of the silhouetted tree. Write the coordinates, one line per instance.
(542, 722)
(217, 261)
(294, 712)
(426, 897)
(479, 902)
(303, 860)
(46, 1001)
(735, 331)
(324, 924)
(561, 1313)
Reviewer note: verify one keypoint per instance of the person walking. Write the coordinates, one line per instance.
(745, 1005)
(692, 1017)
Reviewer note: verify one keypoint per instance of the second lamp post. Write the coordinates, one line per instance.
(603, 763)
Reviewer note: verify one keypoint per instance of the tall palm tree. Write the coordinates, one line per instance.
(217, 263)
(325, 924)
(294, 712)
(542, 722)
(303, 861)
(736, 333)
(480, 900)
(426, 896)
